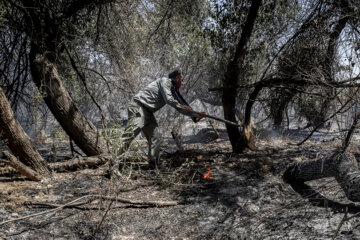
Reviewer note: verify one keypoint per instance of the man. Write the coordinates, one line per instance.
(143, 105)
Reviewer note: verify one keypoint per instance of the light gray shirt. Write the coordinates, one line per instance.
(158, 93)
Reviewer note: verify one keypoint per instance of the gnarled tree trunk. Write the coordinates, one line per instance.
(239, 141)
(330, 93)
(18, 141)
(73, 121)
(47, 33)
(278, 105)
(341, 165)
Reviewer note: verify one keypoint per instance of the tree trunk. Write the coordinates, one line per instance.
(329, 60)
(18, 141)
(341, 165)
(46, 32)
(238, 140)
(73, 121)
(278, 105)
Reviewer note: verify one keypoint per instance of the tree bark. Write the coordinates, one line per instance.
(239, 141)
(46, 31)
(79, 162)
(278, 105)
(73, 121)
(341, 165)
(18, 141)
(345, 16)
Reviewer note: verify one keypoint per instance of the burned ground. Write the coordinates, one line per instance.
(244, 197)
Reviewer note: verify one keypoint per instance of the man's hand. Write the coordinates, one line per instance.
(186, 108)
(189, 109)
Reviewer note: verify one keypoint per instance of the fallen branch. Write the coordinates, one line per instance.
(70, 165)
(91, 198)
(42, 213)
(117, 199)
(139, 202)
(343, 220)
(79, 162)
(12, 161)
(103, 218)
(7, 170)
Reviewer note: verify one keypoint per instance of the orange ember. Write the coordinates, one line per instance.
(207, 175)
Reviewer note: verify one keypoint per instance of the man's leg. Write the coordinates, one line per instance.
(135, 124)
(151, 132)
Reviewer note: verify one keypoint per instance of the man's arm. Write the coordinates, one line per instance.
(197, 115)
(165, 89)
(179, 104)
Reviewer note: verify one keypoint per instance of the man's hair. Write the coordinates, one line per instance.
(174, 74)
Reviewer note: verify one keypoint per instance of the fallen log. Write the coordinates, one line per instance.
(341, 165)
(70, 165)
(79, 162)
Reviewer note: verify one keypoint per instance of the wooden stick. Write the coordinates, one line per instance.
(117, 199)
(123, 200)
(344, 219)
(42, 213)
(103, 218)
(212, 117)
(139, 202)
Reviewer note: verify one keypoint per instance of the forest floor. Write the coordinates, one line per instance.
(244, 197)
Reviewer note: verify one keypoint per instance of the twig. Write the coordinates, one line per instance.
(344, 219)
(350, 132)
(355, 215)
(81, 75)
(103, 218)
(139, 202)
(42, 213)
(324, 121)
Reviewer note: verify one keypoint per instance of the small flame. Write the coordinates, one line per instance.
(207, 175)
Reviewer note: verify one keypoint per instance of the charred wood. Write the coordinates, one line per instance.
(341, 165)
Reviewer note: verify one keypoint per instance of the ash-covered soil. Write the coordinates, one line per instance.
(244, 196)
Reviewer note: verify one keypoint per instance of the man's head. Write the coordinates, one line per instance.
(177, 77)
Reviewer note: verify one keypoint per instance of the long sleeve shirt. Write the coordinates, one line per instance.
(160, 92)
